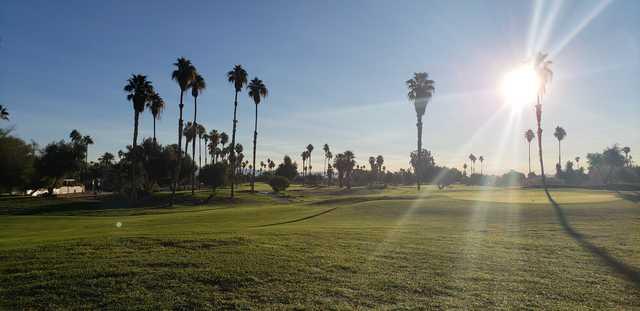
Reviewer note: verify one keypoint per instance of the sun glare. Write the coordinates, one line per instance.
(520, 86)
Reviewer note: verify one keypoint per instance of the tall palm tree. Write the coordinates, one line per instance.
(560, 134)
(197, 85)
(201, 131)
(420, 92)
(184, 73)
(205, 137)
(379, 165)
(473, 163)
(464, 166)
(309, 150)
(224, 139)
(542, 66)
(139, 91)
(303, 155)
(626, 151)
(214, 136)
(237, 76)
(529, 136)
(481, 159)
(4, 114)
(326, 150)
(156, 106)
(86, 141)
(257, 91)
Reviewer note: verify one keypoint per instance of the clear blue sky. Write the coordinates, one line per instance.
(335, 70)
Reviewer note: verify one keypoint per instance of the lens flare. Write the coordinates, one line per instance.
(520, 86)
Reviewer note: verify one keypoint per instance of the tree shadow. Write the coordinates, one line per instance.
(629, 272)
(631, 196)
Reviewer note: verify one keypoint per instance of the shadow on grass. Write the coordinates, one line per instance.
(629, 272)
(631, 196)
(298, 219)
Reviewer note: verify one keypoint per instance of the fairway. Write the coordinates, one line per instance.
(463, 248)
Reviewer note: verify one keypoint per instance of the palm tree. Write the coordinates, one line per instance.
(201, 131)
(205, 137)
(237, 76)
(481, 159)
(464, 166)
(542, 66)
(257, 91)
(560, 134)
(86, 141)
(529, 136)
(224, 139)
(156, 106)
(214, 136)
(420, 92)
(473, 163)
(309, 149)
(197, 85)
(626, 151)
(577, 162)
(139, 92)
(303, 155)
(184, 73)
(326, 150)
(379, 164)
(4, 114)
(189, 133)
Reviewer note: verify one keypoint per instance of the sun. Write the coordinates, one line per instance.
(519, 87)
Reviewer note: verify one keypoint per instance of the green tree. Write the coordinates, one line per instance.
(542, 66)
(257, 91)
(309, 150)
(481, 159)
(287, 168)
(16, 163)
(237, 76)
(344, 163)
(57, 161)
(214, 175)
(421, 89)
(529, 136)
(626, 151)
(139, 91)
(184, 73)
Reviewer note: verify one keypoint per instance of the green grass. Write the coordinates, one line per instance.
(324, 248)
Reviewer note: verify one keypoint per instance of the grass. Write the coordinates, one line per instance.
(324, 248)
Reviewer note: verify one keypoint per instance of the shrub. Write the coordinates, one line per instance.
(214, 175)
(279, 183)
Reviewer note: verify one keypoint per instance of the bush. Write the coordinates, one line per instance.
(279, 183)
(214, 175)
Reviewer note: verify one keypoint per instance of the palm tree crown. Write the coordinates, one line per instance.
(257, 90)
(140, 90)
(560, 133)
(237, 76)
(4, 114)
(421, 89)
(197, 85)
(529, 135)
(184, 73)
(542, 67)
(156, 105)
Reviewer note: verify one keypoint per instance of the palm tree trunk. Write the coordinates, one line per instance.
(199, 159)
(255, 139)
(539, 119)
(193, 147)
(233, 144)
(179, 166)
(419, 155)
(154, 129)
(529, 159)
(559, 154)
(136, 118)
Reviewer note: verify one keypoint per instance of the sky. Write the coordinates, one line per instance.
(336, 73)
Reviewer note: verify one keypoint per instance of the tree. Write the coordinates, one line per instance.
(197, 85)
(344, 163)
(224, 139)
(16, 163)
(309, 150)
(58, 160)
(214, 175)
(473, 159)
(422, 163)
(214, 137)
(156, 107)
(139, 93)
(257, 91)
(106, 159)
(183, 74)
(610, 160)
(529, 136)
(237, 76)
(287, 168)
(577, 162)
(304, 156)
(542, 66)
(464, 166)
(379, 165)
(279, 183)
(327, 151)
(201, 131)
(4, 114)
(372, 164)
(205, 137)
(421, 90)
(626, 151)
(560, 134)
(481, 159)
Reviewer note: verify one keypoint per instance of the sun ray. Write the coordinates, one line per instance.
(584, 23)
